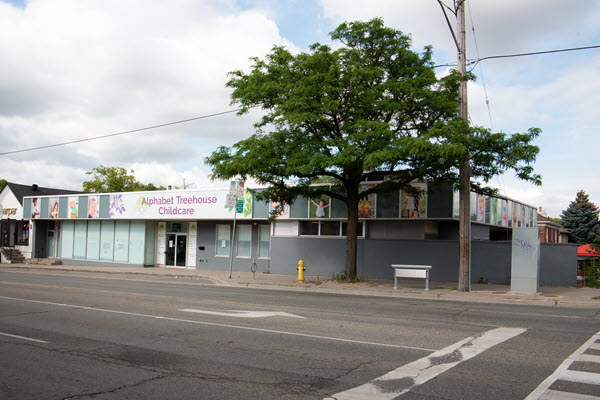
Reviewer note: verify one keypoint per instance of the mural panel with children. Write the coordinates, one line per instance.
(413, 204)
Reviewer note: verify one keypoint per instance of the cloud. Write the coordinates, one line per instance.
(74, 69)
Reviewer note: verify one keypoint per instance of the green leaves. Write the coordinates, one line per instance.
(581, 219)
(114, 179)
(371, 108)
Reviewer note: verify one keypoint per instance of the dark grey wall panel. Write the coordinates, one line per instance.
(104, 208)
(439, 201)
(558, 264)
(388, 205)
(321, 256)
(63, 207)
(490, 262)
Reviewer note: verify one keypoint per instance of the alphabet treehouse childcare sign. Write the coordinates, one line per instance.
(170, 205)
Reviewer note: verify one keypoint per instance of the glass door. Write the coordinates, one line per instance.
(176, 250)
(181, 252)
(51, 245)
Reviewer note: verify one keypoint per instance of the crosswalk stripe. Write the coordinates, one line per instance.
(559, 395)
(422, 370)
(563, 372)
(589, 358)
(580, 377)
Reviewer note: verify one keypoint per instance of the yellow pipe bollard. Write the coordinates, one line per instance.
(301, 268)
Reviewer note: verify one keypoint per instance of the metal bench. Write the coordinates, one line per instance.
(411, 271)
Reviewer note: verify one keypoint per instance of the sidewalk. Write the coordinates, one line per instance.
(554, 296)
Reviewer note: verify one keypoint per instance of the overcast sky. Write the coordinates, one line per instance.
(72, 69)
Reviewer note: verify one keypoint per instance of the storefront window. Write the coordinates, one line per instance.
(80, 241)
(107, 235)
(23, 233)
(122, 241)
(223, 238)
(244, 240)
(264, 231)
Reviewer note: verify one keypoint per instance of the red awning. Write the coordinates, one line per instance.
(587, 251)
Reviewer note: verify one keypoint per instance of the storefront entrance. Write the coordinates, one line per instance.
(176, 250)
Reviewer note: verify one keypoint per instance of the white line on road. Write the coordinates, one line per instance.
(562, 369)
(420, 371)
(243, 314)
(23, 337)
(559, 395)
(248, 328)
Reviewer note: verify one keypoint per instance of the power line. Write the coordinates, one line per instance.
(183, 121)
(487, 100)
(477, 60)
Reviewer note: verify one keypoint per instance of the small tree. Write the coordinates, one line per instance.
(581, 219)
(114, 179)
(2, 184)
(372, 108)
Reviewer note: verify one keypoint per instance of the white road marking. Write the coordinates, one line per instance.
(559, 395)
(563, 372)
(244, 314)
(247, 328)
(23, 337)
(420, 371)
(589, 358)
(590, 378)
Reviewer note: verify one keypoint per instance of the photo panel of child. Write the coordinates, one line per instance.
(319, 208)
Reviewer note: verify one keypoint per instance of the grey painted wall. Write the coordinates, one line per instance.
(559, 264)
(206, 259)
(490, 261)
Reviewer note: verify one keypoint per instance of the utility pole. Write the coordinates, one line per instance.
(464, 246)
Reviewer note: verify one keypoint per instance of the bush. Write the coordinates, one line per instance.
(591, 275)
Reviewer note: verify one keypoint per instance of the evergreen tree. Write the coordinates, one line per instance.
(581, 219)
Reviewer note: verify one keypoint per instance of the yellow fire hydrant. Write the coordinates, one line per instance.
(301, 268)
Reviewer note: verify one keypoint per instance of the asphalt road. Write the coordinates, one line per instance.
(89, 336)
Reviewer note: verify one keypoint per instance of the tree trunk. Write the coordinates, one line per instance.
(351, 235)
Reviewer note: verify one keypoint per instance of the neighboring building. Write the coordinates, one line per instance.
(551, 232)
(193, 229)
(15, 228)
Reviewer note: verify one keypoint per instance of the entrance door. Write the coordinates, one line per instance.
(176, 250)
(50, 244)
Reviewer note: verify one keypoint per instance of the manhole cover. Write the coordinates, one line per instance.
(498, 292)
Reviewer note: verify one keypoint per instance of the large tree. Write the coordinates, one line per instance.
(581, 219)
(114, 179)
(369, 109)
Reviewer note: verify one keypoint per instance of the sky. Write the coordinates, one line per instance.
(74, 69)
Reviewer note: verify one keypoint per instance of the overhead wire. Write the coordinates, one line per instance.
(183, 121)
(487, 100)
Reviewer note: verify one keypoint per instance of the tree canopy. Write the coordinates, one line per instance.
(115, 179)
(369, 109)
(2, 184)
(581, 219)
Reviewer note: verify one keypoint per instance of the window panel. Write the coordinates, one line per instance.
(107, 237)
(121, 241)
(244, 240)
(264, 232)
(80, 239)
(93, 240)
(137, 233)
(223, 239)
